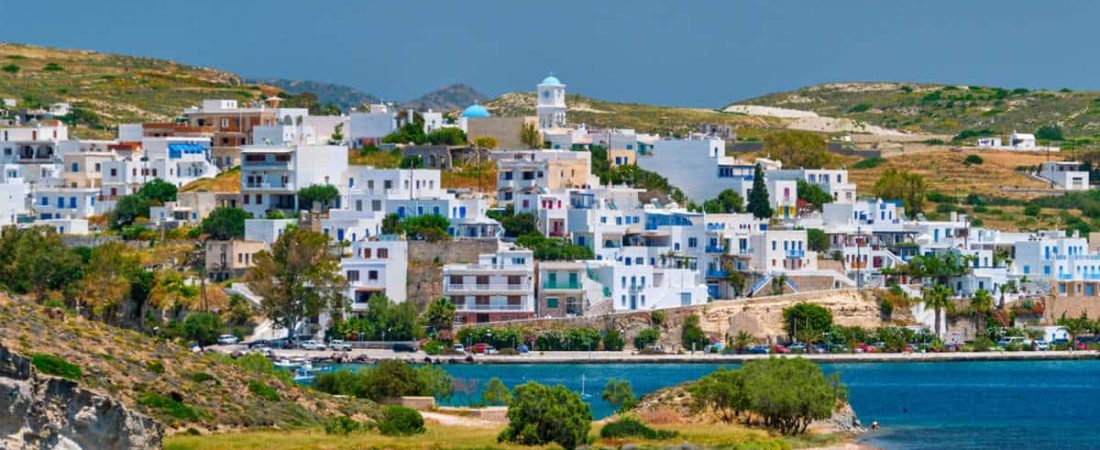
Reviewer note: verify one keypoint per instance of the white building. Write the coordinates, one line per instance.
(698, 165)
(272, 175)
(833, 181)
(266, 230)
(372, 125)
(1067, 175)
(376, 267)
(500, 286)
(550, 106)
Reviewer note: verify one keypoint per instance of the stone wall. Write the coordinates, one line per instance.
(426, 260)
(38, 411)
(761, 316)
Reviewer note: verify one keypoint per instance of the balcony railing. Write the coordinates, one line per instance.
(796, 253)
(486, 287)
(717, 273)
(489, 307)
(715, 249)
(266, 186)
(561, 284)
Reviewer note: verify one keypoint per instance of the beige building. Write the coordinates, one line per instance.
(506, 130)
(561, 289)
(621, 157)
(84, 169)
(226, 259)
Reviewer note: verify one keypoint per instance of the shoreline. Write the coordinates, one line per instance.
(368, 356)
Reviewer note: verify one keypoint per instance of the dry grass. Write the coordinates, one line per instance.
(945, 172)
(228, 181)
(379, 159)
(466, 177)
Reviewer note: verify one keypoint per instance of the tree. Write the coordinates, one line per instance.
(337, 137)
(759, 204)
(447, 136)
(723, 393)
(410, 133)
(128, 209)
(817, 240)
(530, 136)
(202, 327)
(324, 194)
(35, 260)
(540, 415)
(799, 149)
(391, 224)
(981, 304)
(692, 335)
(1049, 133)
(411, 162)
(613, 340)
(106, 281)
(1075, 326)
(790, 393)
(619, 395)
(520, 224)
(158, 190)
(427, 227)
(496, 393)
(907, 187)
(225, 223)
(813, 194)
(646, 338)
(939, 267)
(485, 142)
(938, 298)
(299, 278)
(727, 202)
(440, 315)
(742, 340)
(807, 319)
(553, 249)
(383, 320)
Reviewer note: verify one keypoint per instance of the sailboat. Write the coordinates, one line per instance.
(584, 395)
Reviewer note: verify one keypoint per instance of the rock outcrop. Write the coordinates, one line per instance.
(43, 412)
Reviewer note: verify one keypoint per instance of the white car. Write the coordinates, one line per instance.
(311, 345)
(338, 345)
(459, 348)
(228, 339)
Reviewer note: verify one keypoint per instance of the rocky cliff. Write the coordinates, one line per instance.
(45, 412)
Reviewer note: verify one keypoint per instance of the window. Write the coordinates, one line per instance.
(372, 275)
(75, 167)
(456, 280)
(693, 242)
(551, 302)
(353, 275)
(482, 280)
(383, 253)
(366, 253)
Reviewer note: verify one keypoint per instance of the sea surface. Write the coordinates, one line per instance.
(940, 405)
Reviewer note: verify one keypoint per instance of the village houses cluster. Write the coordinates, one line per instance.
(648, 254)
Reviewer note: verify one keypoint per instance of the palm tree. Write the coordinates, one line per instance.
(1075, 327)
(938, 298)
(742, 341)
(981, 303)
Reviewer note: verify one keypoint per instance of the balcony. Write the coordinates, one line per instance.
(561, 285)
(796, 254)
(502, 287)
(266, 185)
(715, 249)
(719, 273)
(489, 307)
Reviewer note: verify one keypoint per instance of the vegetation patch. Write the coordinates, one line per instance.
(170, 406)
(55, 365)
(398, 420)
(263, 390)
(631, 427)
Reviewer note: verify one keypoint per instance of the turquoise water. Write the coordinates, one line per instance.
(958, 405)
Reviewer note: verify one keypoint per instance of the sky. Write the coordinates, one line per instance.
(703, 53)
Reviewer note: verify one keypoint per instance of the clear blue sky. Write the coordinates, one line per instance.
(691, 53)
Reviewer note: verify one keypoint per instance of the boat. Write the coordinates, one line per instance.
(286, 363)
(583, 394)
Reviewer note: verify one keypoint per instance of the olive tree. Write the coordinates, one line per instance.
(540, 415)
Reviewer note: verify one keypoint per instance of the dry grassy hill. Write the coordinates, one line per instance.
(173, 385)
(111, 89)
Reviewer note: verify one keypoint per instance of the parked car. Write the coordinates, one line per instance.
(523, 348)
(797, 347)
(459, 348)
(866, 348)
(228, 339)
(338, 345)
(402, 347)
(758, 350)
(780, 349)
(311, 345)
(820, 348)
(1042, 345)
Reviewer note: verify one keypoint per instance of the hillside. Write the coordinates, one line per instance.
(178, 388)
(111, 89)
(643, 118)
(341, 96)
(447, 98)
(944, 109)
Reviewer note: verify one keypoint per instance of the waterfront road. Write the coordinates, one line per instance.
(630, 357)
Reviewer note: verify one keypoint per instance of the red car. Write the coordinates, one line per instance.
(865, 348)
(780, 349)
(482, 348)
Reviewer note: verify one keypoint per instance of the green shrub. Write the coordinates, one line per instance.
(972, 160)
(398, 420)
(613, 340)
(53, 67)
(628, 426)
(1032, 210)
(434, 347)
(646, 338)
(156, 367)
(869, 163)
(168, 405)
(861, 107)
(540, 415)
(203, 327)
(262, 390)
(201, 377)
(55, 365)
(342, 425)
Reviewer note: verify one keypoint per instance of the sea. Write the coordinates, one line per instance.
(918, 405)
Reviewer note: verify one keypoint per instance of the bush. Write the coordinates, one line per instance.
(692, 336)
(169, 405)
(1032, 210)
(861, 107)
(1049, 133)
(201, 377)
(398, 420)
(156, 367)
(203, 327)
(55, 365)
(389, 379)
(342, 425)
(972, 160)
(628, 426)
(540, 415)
(646, 338)
(613, 340)
(869, 163)
(262, 390)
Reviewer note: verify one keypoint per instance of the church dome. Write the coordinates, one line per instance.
(552, 80)
(475, 111)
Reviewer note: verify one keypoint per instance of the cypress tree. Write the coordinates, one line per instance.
(759, 205)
